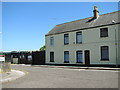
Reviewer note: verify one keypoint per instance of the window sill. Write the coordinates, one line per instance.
(79, 43)
(52, 46)
(51, 61)
(66, 62)
(104, 60)
(104, 37)
(79, 62)
(66, 44)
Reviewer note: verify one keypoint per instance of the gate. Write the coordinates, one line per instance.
(38, 58)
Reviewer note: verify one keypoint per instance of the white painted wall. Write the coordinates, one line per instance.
(90, 41)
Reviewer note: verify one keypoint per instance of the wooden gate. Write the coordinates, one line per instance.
(38, 58)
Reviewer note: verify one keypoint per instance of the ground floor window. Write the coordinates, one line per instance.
(79, 57)
(104, 53)
(51, 56)
(66, 56)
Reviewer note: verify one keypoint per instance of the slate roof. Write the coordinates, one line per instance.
(104, 19)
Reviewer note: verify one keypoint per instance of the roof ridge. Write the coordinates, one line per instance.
(110, 13)
(73, 21)
(88, 18)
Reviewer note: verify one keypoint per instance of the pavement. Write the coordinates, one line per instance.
(77, 67)
(10, 76)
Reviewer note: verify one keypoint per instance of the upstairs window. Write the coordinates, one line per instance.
(79, 57)
(51, 41)
(79, 37)
(66, 39)
(51, 56)
(104, 32)
(104, 53)
(66, 56)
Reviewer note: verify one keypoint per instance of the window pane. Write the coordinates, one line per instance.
(66, 56)
(79, 56)
(51, 41)
(104, 52)
(104, 32)
(79, 37)
(66, 39)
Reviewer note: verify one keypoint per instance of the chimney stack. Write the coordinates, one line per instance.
(96, 12)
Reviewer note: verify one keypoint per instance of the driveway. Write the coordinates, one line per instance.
(45, 77)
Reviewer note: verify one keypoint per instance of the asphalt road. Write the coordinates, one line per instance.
(44, 77)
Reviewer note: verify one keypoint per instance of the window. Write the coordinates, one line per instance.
(51, 41)
(79, 37)
(104, 32)
(66, 38)
(66, 56)
(104, 53)
(79, 56)
(51, 56)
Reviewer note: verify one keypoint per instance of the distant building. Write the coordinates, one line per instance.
(90, 41)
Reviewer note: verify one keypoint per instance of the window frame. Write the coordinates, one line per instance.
(50, 57)
(64, 57)
(76, 37)
(103, 59)
(77, 56)
(101, 31)
(65, 39)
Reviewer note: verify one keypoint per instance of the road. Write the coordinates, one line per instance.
(44, 77)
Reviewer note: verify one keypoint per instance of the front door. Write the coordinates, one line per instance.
(87, 57)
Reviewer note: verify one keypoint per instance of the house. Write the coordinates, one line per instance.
(90, 41)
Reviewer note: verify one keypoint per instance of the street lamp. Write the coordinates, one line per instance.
(115, 44)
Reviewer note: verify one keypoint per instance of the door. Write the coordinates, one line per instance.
(87, 57)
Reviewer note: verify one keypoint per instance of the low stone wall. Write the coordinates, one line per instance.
(6, 66)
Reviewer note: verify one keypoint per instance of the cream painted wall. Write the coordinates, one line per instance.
(90, 41)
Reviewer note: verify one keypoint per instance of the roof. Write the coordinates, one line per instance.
(104, 19)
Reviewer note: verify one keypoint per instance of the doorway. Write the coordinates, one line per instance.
(87, 57)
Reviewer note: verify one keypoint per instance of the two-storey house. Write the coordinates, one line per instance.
(90, 41)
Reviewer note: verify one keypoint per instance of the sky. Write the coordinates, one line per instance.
(24, 24)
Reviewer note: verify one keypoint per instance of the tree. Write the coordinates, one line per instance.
(42, 48)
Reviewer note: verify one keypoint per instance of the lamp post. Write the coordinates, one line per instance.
(116, 44)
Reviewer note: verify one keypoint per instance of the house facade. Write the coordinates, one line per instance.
(89, 41)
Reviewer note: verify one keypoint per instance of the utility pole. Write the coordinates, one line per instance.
(116, 44)
(116, 47)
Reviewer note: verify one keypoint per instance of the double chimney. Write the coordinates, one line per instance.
(96, 12)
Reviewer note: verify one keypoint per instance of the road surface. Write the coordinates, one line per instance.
(45, 77)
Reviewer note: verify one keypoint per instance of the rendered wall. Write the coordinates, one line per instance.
(91, 41)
